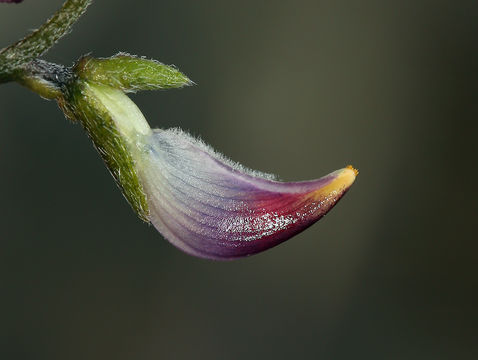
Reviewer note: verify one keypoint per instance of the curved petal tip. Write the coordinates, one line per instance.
(209, 207)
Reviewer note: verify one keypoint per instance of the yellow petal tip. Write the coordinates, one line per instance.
(356, 172)
(343, 179)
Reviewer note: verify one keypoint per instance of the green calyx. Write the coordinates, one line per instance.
(82, 105)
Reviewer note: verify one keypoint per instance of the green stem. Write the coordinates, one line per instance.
(39, 41)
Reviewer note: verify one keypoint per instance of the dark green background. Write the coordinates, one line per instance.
(296, 88)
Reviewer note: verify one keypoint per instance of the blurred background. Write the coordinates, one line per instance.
(296, 88)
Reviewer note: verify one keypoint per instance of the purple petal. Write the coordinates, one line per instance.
(212, 208)
(11, 1)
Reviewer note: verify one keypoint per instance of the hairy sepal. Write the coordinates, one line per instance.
(130, 73)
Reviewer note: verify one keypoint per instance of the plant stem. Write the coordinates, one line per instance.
(39, 41)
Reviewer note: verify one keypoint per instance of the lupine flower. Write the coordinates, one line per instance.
(203, 203)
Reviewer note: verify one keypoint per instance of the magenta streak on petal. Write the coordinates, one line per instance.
(212, 209)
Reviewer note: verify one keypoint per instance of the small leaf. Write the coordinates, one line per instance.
(130, 73)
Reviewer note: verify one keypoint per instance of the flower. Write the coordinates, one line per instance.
(11, 1)
(203, 203)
